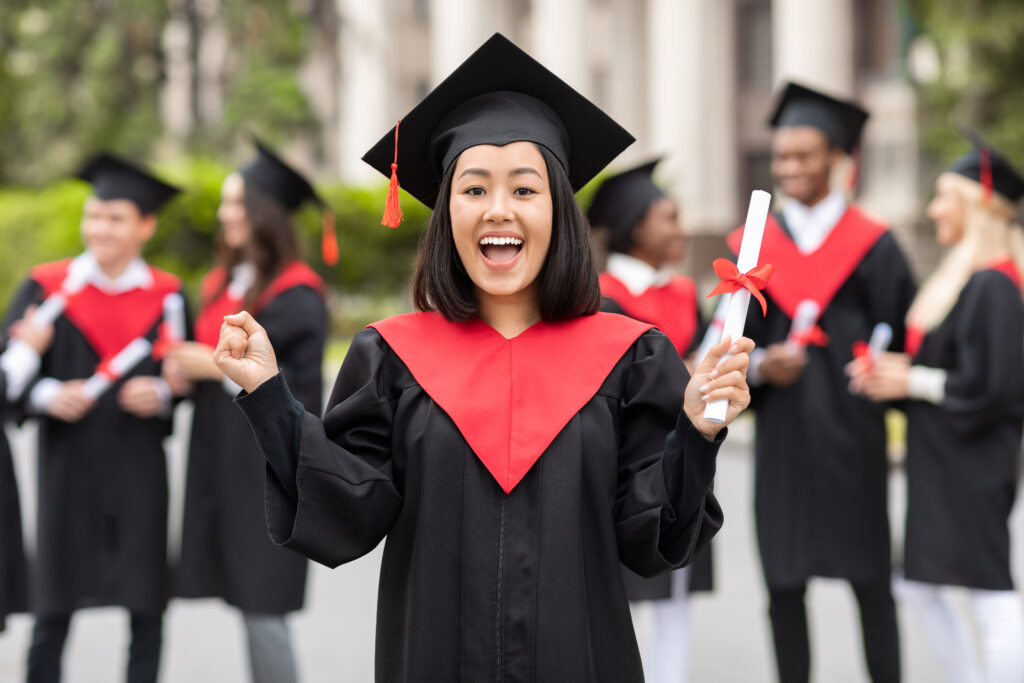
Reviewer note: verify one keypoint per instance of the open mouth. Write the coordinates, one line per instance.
(500, 249)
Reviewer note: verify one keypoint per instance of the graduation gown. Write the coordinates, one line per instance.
(510, 477)
(102, 526)
(673, 309)
(821, 470)
(13, 574)
(963, 455)
(226, 551)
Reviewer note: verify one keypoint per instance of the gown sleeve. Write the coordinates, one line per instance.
(664, 510)
(330, 492)
(986, 382)
(29, 292)
(889, 286)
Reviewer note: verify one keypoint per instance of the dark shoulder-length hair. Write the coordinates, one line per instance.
(568, 278)
(272, 245)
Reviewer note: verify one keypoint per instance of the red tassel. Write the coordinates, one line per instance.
(985, 172)
(328, 239)
(854, 176)
(392, 209)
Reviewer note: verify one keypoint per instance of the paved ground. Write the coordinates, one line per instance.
(334, 634)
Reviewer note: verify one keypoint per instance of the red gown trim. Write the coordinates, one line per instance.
(671, 307)
(509, 398)
(820, 274)
(109, 321)
(207, 328)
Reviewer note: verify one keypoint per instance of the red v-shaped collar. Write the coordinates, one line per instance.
(509, 398)
(671, 307)
(109, 321)
(820, 274)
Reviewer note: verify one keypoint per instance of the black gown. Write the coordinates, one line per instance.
(963, 455)
(477, 584)
(102, 481)
(226, 551)
(821, 476)
(13, 574)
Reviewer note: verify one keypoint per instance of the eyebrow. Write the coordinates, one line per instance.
(487, 174)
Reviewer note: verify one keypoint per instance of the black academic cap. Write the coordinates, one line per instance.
(841, 121)
(276, 179)
(622, 200)
(498, 95)
(114, 178)
(990, 168)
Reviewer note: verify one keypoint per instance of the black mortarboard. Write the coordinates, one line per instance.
(498, 95)
(622, 200)
(114, 178)
(278, 180)
(990, 168)
(841, 121)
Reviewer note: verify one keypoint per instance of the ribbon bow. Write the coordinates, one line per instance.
(733, 280)
(813, 335)
(862, 352)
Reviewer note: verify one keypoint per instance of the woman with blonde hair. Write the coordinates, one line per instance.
(963, 373)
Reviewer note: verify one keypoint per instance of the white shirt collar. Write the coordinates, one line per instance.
(135, 276)
(242, 277)
(635, 274)
(810, 225)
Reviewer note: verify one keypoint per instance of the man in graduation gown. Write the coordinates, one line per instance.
(102, 528)
(821, 466)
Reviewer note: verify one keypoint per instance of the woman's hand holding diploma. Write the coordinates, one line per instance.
(713, 381)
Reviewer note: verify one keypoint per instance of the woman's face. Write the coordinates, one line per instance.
(501, 211)
(946, 209)
(659, 238)
(231, 212)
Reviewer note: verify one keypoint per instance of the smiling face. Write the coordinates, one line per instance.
(501, 213)
(802, 162)
(946, 209)
(234, 223)
(114, 231)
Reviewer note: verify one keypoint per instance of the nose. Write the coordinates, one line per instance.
(499, 208)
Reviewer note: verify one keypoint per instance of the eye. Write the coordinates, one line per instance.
(523, 191)
(474, 191)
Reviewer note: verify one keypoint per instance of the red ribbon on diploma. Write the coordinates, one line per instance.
(862, 352)
(813, 335)
(164, 342)
(104, 369)
(733, 280)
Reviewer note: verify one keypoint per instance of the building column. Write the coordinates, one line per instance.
(365, 78)
(559, 40)
(457, 28)
(813, 43)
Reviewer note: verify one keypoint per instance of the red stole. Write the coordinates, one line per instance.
(671, 307)
(109, 321)
(509, 398)
(820, 274)
(210, 318)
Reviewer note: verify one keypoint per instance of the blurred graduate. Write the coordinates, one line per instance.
(821, 465)
(103, 413)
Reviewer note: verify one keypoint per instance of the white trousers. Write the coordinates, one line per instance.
(271, 657)
(663, 631)
(998, 616)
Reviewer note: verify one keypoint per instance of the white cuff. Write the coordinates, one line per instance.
(19, 363)
(754, 378)
(163, 389)
(927, 384)
(42, 395)
(230, 387)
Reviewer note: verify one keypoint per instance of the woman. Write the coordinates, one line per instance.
(644, 239)
(18, 365)
(508, 443)
(963, 374)
(225, 548)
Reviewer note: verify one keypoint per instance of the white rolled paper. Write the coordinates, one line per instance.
(127, 358)
(881, 337)
(174, 317)
(736, 314)
(713, 335)
(49, 310)
(803, 319)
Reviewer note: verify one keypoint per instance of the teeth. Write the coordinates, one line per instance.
(498, 241)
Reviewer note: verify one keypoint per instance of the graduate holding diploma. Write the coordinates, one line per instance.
(512, 444)
(963, 373)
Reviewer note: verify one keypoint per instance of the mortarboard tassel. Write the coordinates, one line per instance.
(985, 171)
(854, 175)
(328, 239)
(392, 209)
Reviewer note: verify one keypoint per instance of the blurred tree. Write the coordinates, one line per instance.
(977, 78)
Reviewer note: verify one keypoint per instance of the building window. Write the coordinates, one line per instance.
(754, 24)
(756, 172)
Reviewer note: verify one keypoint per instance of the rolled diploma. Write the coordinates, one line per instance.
(53, 306)
(126, 359)
(713, 335)
(736, 314)
(804, 318)
(174, 317)
(881, 337)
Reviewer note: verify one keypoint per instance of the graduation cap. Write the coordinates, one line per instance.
(289, 188)
(990, 168)
(115, 178)
(623, 199)
(498, 95)
(841, 121)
